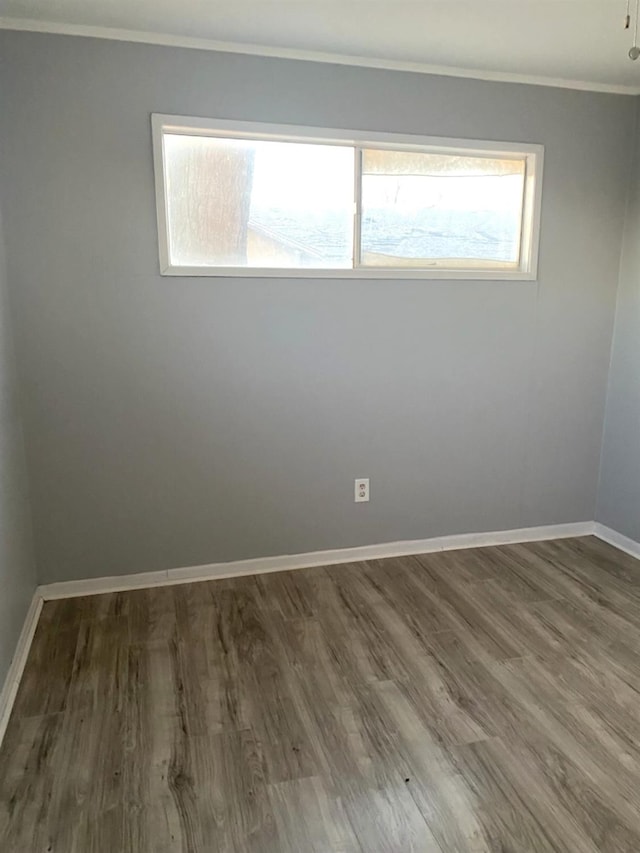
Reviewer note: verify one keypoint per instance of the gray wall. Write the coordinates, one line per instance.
(174, 422)
(17, 570)
(619, 492)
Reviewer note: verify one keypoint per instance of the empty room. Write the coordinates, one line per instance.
(320, 426)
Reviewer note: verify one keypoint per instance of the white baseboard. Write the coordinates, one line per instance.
(260, 565)
(623, 543)
(12, 681)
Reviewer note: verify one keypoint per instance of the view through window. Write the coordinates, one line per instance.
(240, 203)
(418, 208)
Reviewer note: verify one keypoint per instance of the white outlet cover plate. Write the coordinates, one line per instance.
(362, 489)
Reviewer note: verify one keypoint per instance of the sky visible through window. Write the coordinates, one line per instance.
(280, 169)
(290, 175)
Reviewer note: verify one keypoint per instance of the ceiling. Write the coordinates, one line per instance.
(582, 41)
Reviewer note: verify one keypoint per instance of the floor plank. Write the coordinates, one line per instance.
(462, 702)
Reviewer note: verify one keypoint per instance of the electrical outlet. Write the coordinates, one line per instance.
(362, 489)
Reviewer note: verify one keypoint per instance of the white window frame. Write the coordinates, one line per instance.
(527, 269)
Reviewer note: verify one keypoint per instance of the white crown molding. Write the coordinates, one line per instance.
(12, 681)
(195, 43)
(289, 562)
(622, 543)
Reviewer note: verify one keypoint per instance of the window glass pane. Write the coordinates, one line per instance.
(247, 203)
(421, 209)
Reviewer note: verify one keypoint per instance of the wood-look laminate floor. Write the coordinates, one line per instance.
(469, 701)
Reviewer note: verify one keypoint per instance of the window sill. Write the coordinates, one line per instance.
(434, 273)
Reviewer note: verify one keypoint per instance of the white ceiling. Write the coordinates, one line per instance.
(576, 40)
